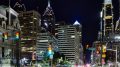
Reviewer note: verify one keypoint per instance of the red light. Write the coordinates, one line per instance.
(17, 35)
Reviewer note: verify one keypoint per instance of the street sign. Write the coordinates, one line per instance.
(91, 48)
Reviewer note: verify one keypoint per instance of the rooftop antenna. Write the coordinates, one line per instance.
(48, 3)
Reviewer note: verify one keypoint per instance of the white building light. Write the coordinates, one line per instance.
(117, 37)
(46, 24)
(35, 18)
(101, 14)
(72, 36)
(31, 22)
(43, 40)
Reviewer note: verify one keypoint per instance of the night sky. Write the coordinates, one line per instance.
(85, 11)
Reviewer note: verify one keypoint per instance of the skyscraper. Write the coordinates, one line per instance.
(69, 41)
(108, 18)
(109, 30)
(30, 22)
(44, 39)
(48, 19)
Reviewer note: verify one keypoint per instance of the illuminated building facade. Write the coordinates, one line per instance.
(113, 30)
(108, 18)
(57, 24)
(44, 39)
(48, 19)
(9, 25)
(99, 54)
(30, 22)
(69, 41)
(42, 44)
(110, 32)
(116, 39)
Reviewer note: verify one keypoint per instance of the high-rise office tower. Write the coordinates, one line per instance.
(60, 23)
(108, 18)
(30, 22)
(69, 41)
(45, 39)
(109, 33)
(42, 45)
(48, 19)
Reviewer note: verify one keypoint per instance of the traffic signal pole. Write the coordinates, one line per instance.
(50, 52)
(17, 55)
(17, 41)
(101, 56)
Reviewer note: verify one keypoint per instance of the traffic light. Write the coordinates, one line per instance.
(5, 35)
(98, 52)
(98, 48)
(49, 50)
(104, 49)
(17, 35)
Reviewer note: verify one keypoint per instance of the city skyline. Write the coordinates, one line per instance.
(86, 12)
(57, 33)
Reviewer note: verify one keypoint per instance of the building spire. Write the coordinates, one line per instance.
(9, 3)
(48, 3)
(76, 23)
(48, 9)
